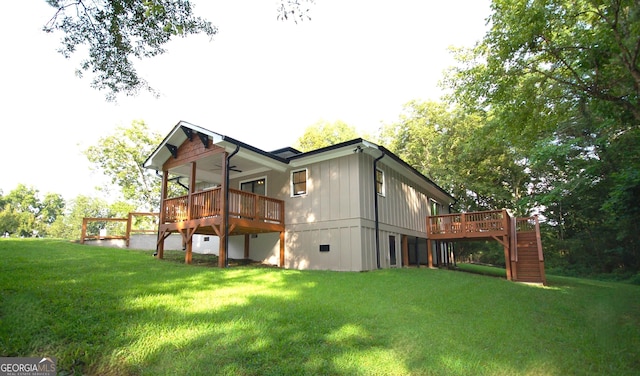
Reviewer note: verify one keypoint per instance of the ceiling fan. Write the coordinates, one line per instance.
(231, 168)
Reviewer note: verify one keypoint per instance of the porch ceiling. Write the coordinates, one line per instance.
(209, 169)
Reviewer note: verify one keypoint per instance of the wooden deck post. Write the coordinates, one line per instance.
(507, 256)
(282, 249)
(540, 254)
(84, 230)
(128, 234)
(189, 239)
(162, 215)
(247, 238)
(430, 252)
(224, 205)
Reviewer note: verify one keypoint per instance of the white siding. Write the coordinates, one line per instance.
(338, 211)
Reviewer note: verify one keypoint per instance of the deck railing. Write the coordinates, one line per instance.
(120, 228)
(479, 223)
(209, 204)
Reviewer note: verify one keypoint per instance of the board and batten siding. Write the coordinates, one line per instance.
(402, 210)
(328, 215)
(403, 205)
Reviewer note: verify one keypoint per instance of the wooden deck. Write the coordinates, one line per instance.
(520, 238)
(475, 225)
(249, 213)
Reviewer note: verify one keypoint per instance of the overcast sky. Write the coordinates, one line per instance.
(260, 80)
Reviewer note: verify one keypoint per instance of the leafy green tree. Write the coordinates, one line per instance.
(9, 221)
(324, 133)
(24, 199)
(69, 225)
(120, 157)
(25, 214)
(561, 81)
(117, 32)
(462, 155)
(53, 206)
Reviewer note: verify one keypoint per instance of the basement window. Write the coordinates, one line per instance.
(299, 182)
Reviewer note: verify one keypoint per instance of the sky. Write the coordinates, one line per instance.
(259, 80)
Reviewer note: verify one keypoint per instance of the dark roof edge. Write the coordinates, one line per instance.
(287, 148)
(254, 149)
(328, 148)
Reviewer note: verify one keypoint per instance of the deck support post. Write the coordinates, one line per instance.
(222, 250)
(84, 230)
(430, 252)
(507, 256)
(282, 249)
(188, 239)
(247, 238)
(161, 216)
(188, 252)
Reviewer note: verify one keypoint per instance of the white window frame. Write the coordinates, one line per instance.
(306, 191)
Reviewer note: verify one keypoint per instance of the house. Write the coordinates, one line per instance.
(353, 206)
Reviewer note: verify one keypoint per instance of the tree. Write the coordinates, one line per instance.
(294, 10)
(120, 156)
(561, 80)
(69, 226)
(53, 206)
(461, 154)
(115, 33)
(23, 212)
(324, 133)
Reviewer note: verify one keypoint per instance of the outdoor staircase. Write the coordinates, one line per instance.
(527, 262)
(520, 238)
(527, 266)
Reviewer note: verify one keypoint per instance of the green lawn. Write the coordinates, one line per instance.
(111, 311)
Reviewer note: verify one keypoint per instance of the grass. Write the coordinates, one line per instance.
(482, 270)
(112, 311)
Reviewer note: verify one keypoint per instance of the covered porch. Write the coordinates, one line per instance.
(204, 163)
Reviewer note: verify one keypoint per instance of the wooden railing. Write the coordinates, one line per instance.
(475, 224)
(209, 204)
(531, 224)
(119, 233)
(526, 224)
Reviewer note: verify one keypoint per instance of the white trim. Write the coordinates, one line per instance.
(306, 191)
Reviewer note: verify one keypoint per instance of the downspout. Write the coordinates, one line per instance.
(375, 208)
(226, 208)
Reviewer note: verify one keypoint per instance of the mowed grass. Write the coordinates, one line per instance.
(111, 311)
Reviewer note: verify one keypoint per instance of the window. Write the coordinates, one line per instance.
(299, 182)
(380, 182)
(258, 186)
(434, 208)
